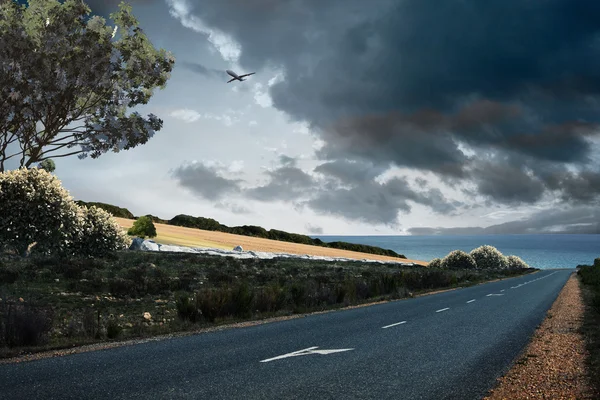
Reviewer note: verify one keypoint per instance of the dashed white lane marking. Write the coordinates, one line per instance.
(502, 290)
(443, 309)
(389, 326)
(470, 301)
(533, 280)
(494, 294)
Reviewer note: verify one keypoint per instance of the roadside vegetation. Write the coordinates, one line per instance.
(590, 278)
(51, 302)
(66, 277)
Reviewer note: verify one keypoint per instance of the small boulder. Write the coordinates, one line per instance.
(136, 244)
(147, 316)
(238, 248)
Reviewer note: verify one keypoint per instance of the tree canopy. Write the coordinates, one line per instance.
(67, 82)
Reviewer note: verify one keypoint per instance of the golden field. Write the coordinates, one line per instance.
(181, 236)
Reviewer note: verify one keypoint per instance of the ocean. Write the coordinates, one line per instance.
(539, 251)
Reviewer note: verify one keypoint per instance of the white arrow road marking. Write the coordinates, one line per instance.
(397, 323)
(494, 294)
(305, 352)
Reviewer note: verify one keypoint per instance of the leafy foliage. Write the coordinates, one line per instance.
(35, 210)
(488, 257)
(114, 210)
(48, 165)
(66, 85)
(142, 227)
(458, 259)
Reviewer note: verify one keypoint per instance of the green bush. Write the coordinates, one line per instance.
(435, 263)
(488, 257)
(458, 259)
(143, 227)
(515, 262)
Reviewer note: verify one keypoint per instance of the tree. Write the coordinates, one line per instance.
(458, 259)
(66, 84)
(48, 165)
(142, 227)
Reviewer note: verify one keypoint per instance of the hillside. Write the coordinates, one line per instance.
(183, 236)
(209, 224)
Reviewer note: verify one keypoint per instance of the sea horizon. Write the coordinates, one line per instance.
(543, 250)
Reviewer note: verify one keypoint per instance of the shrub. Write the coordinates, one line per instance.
(101, 234)
(597, 262)
(515, 262)
(435, 263)
(25, 325)
(36, 210)
(143, 227)
(488, 257)
(186, 308)
(458, 259)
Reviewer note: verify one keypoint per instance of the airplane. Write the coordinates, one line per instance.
(237, 77)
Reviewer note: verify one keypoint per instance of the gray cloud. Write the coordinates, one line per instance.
(313, 229)
(203, 70)
(582, 220)
(286, 184)
(378, 83)
(205, 181)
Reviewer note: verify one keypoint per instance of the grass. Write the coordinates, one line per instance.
(590, 278)
(50, 303)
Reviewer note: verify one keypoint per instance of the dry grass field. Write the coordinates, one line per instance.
(181, 236)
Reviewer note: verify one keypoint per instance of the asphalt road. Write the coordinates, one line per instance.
(451, 345)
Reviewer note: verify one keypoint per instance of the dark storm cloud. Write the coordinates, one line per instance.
(402, 82)
(205, 181)
(378, 203)
(349, 172)
(583, 220)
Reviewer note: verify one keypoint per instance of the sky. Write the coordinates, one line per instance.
(386, 117)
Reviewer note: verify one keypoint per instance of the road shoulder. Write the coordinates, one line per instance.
(553, 365)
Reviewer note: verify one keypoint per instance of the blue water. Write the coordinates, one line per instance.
(539, 251)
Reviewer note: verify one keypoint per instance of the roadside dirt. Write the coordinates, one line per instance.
(553, 365)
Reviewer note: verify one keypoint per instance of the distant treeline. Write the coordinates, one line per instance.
(210, 224)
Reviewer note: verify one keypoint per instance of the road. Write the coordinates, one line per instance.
(451, 345)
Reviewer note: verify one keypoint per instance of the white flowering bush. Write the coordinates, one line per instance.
(458, 259)
(435, 263)
(515, 262)
(100, 233)
(489, 257)
(35, 210)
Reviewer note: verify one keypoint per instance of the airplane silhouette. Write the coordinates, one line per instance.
(237, 77)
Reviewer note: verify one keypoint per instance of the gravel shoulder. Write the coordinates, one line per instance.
(553, 365)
